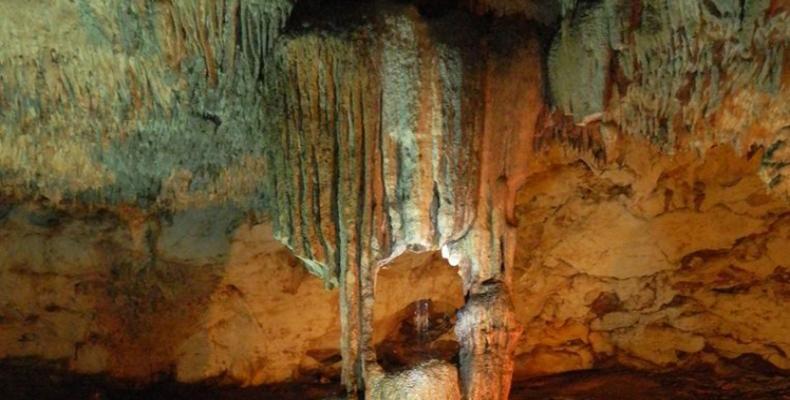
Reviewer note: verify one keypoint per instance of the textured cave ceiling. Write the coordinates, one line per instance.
(91, 102)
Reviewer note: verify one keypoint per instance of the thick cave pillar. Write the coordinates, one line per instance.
(369, 166)
(509, 103)
(486, 328)
(487, 331)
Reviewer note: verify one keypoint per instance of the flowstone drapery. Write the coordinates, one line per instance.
(384, 150)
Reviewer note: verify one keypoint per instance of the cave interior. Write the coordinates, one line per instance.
(395, 199)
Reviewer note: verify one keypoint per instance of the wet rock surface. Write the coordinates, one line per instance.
(745, 378)
(737, 383)
(25, 379)
(424, 333)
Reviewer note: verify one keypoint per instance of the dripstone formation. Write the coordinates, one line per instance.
(608, 178)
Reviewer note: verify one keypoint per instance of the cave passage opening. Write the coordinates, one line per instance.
(417, 297)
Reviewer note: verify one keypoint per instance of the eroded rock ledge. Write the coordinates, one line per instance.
(608, 177)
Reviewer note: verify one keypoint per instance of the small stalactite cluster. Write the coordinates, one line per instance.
(666, 69)
(181, 75)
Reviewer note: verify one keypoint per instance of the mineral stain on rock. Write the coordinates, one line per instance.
(394, 199)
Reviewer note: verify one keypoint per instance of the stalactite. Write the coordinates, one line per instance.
(401, 159)
(102, 97)
(662, 69)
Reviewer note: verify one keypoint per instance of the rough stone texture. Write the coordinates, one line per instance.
(385, 162)
(430, 380)
(693, 268)
(92, 91)
(488, 331)
(683, 73)
(201, 294)
(428, 277)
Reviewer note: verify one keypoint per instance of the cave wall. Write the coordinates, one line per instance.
(197, 295)
(201, 294)
(698, 276)
(656, 262)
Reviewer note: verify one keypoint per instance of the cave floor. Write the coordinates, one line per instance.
(700, 384)
(24, 380)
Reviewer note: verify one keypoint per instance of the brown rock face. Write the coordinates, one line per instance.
(689, 274)
(199, 295)
(205, 294)
(607, 181)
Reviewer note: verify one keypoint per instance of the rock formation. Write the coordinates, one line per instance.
(608, 178)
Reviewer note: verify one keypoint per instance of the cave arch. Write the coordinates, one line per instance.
(417, 296)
